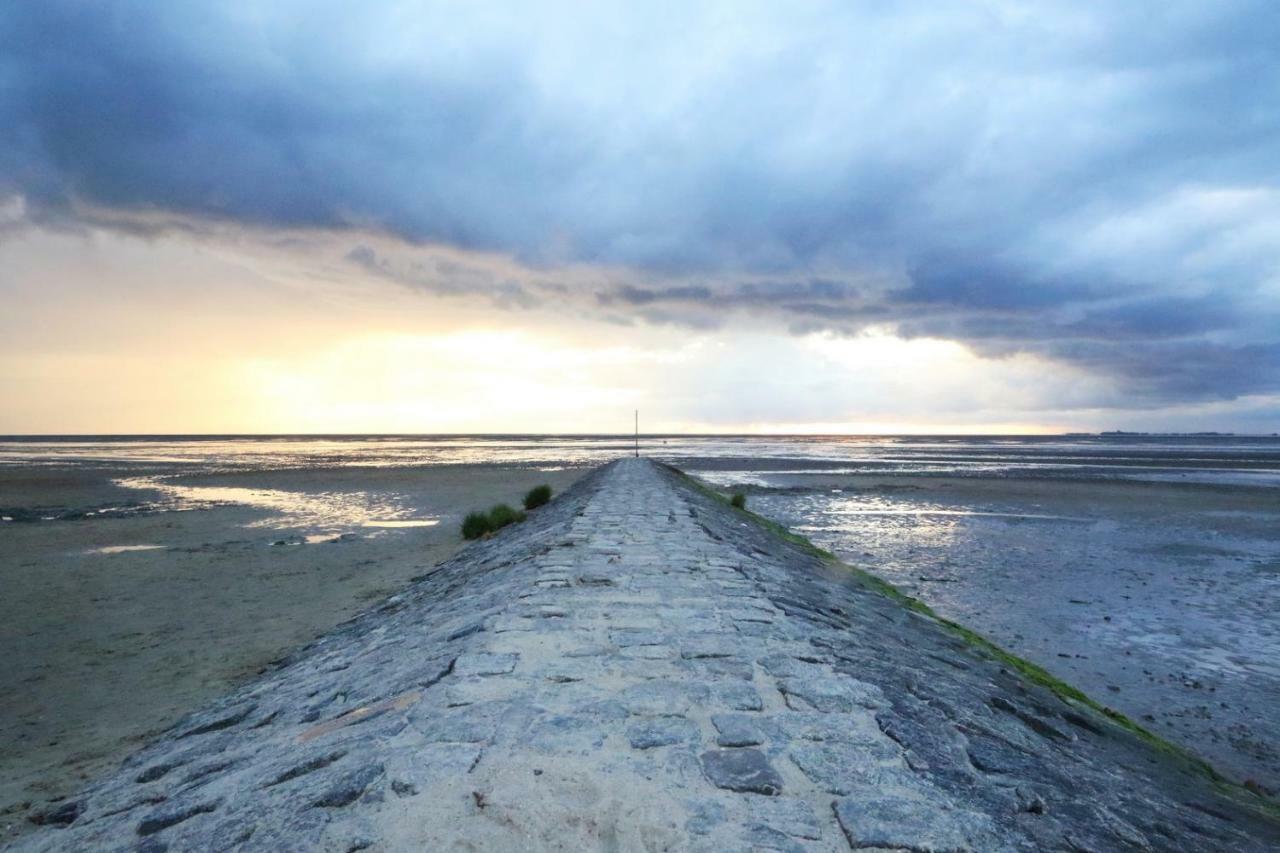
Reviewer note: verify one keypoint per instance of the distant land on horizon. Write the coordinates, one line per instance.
(607, 435)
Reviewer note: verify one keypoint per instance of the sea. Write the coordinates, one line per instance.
(1201, 458)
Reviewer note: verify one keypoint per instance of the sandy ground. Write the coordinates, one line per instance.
(100, 651)
(1158, 600)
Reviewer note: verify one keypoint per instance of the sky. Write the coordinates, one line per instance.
(735, 217)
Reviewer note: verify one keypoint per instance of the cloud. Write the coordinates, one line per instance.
(445, 277)
(1092, 183)
(633, 295)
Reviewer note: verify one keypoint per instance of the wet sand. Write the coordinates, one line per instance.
(1159, 600)
(103, 649)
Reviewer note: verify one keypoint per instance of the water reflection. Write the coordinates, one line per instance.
(123, 549)
(408, 522)
(1217, 459)
(324, 511)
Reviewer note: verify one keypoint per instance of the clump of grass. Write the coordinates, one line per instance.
(502, 515)
(537, 496)
(477, 524)
(739, 500)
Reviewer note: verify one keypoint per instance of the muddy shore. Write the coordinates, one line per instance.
(1157, 599)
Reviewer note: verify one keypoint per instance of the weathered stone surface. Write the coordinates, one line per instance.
(709, 646)
(737, 730)
(831, 693)
(738, 697)
(420, 765)
(788, 816)
(348, 787)
(636, 637)
(485, 664)
(174, 812)
(637, 668)
(58, 815)
(901, 824)
(741, 770)
(843, 768)
(658, 698)
(662, 731)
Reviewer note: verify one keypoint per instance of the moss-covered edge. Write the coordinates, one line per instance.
(1025, 668)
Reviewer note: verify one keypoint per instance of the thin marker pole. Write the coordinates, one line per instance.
(637, 433)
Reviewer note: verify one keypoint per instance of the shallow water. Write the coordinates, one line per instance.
(328, 511)
(1251, 460)
(122, 549)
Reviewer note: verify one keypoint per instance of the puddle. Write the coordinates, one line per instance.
(408, 522)
(331, 512)
(961, 512)
(123, 549)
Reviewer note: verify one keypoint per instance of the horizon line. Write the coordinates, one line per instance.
(632, 435)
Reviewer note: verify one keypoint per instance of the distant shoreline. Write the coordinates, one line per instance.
(644, 436)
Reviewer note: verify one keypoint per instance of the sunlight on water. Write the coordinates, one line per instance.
(831, 506)
(317, 510)
(1213, 459)
(123, 549)
(412, 522)
(929, 512)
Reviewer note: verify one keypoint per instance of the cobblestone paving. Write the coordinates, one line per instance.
(639, 667)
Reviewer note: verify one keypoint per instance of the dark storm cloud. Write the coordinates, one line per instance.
(1090, 182)
(445, 278)
(632, 295)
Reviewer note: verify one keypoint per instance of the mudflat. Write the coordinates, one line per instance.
(134, 606)
(1157, 598)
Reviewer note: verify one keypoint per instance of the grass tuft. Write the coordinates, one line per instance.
(501, 515)
(537, 496)
(738, 501)
(477, 524)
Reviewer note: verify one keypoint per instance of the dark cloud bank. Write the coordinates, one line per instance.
(1095, 183)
